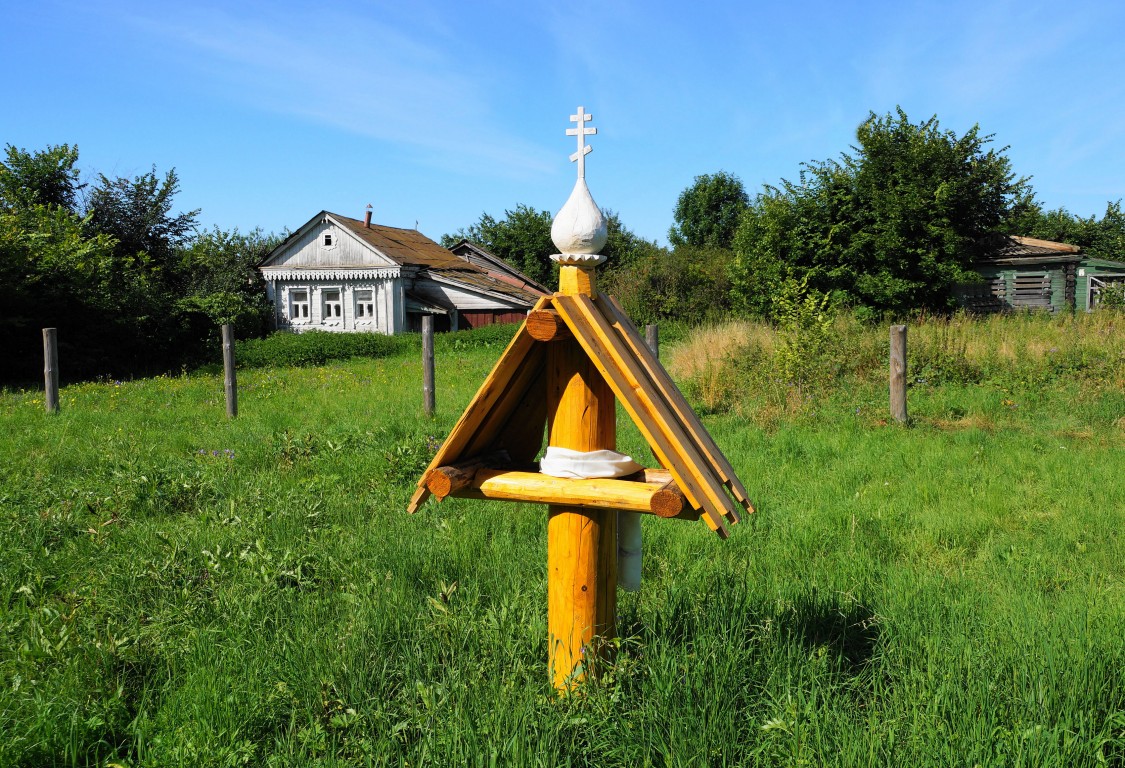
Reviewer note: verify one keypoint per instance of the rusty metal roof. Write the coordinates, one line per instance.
(409, 247)
(1014, 250)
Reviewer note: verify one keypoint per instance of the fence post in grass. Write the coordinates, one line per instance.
(51, 369)
(652, 339)
(230, 384)
(898, 373)
(428, 362)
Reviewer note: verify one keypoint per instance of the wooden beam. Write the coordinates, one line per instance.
(442, 481)
(495, 390)
(546, 325)
(671, 393)
(581, 541)
(665, 501)
(51, 369)
(653, 417)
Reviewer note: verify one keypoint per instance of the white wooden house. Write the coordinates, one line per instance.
(341, 274)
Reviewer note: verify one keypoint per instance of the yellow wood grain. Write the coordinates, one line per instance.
(575, 281)
(581, 543)
(671, 393)
(495, 388)
(655, 419)
(546, 325)
(663, 500)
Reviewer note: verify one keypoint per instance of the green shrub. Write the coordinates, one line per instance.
(318, 347)
(805, 318)
(284, 348)
(496, 336)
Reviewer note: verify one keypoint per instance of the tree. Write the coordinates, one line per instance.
(523, 239)
(46, 178)
(1103, 238)
(137, 212)
(686, 285)
(708, 212)
(223, 281)
(622, 246)
(893, 226)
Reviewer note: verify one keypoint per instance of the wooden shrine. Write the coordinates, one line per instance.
(576, 354)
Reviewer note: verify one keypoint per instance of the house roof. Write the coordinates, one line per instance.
(495, 265)
(410, 248)
(1014, 250)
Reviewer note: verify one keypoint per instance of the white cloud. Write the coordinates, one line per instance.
(355, 73)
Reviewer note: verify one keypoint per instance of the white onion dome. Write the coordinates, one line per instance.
(579, 228)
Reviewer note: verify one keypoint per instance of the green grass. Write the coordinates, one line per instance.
(180, 589)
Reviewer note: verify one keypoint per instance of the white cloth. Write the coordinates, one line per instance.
(563, 462)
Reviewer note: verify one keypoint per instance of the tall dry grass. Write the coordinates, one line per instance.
(734, 366)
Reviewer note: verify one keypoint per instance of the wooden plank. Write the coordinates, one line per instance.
(523, 396)
(492, 390)
(587, 493)
(652, 416)
(668, 389)
(523, 434)
(705, 444)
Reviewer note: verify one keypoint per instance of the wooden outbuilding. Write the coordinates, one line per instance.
(1028, 273)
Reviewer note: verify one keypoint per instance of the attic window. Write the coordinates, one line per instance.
(328, 240)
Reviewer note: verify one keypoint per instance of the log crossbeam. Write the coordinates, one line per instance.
(650, 492)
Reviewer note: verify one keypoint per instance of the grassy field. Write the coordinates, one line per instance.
(177, 589)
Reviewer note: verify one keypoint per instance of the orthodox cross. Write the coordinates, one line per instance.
(581, 131)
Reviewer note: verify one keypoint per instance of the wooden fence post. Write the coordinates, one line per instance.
(230, 383)
(898, 373)
(652, 338)
(51, 369)
(428, 362)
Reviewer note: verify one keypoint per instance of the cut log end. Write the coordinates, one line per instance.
(546, 325)
(667, 502)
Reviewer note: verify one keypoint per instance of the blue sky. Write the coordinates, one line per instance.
(434, 112)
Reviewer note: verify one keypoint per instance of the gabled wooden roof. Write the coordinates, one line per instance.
(509, 411)
(390, 246)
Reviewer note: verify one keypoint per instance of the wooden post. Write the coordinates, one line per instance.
(652, 339)
(51, 369)
(898, 373)
(581, 543)
(428, 362)
(230, 383)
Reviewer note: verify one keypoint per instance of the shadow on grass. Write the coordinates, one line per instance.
(835, 622)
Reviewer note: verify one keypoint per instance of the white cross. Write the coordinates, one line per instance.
(581, 131)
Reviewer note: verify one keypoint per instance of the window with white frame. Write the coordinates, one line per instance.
(364, 306)
(333, 305)
(298, 305)
(328, 240)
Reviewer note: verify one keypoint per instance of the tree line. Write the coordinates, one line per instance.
(891, 226)
(132, 284)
